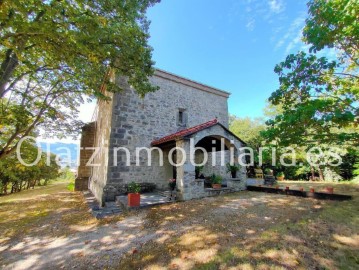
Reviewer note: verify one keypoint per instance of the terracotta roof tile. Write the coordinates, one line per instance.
(185, 132)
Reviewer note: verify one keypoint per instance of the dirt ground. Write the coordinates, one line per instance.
(51, 227)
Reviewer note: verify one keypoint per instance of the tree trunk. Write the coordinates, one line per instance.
(6, 70)
(313, 172)
(321, 177)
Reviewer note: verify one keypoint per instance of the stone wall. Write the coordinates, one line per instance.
(137, 122)
(237, 184)
(98, 180)
(84, 172)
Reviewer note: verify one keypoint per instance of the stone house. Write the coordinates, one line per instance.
(182, 112)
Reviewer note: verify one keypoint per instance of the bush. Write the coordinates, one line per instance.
(133, 187)
(331, 176)
(216, 179)
(232, 168)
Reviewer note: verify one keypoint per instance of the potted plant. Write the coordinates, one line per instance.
(268, 171)
(133, 197)
(233, 169)
(172, 184)
(216, 181)
(280, 176)
(198, 170)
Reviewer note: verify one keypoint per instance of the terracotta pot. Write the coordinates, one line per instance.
(216, 186)
(311, 190)
(286, 188)
(133, 199)
(330, 190)
(280, 178)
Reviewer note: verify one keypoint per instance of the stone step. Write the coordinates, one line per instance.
(121, 201)
(167, 193)
(147, 200)
(219, 191)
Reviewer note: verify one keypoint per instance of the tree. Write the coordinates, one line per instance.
(248, 129)
(52, 53)
(334, 24)
(320, 97)
(19, 176)
(319, 104)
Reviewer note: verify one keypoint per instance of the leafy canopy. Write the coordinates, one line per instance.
(319, 97)
(79, 39)
(55, 53)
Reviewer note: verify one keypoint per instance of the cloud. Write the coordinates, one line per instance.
(293, 37)
(276, 6)
(250, 24)
(294, 42)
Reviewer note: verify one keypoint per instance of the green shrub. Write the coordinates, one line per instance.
(133, 187)
(232, 168)
(331, 176)
(216, 179)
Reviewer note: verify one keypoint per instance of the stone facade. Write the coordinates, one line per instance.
(103, 115)
(87, 141)
(130, 122)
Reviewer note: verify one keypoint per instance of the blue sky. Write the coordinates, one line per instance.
(229, 44)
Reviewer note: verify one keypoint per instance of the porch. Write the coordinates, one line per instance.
(211, 146)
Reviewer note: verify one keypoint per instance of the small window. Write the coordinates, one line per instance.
(181, 118)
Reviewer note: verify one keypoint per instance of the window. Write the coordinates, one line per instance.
(181, 118)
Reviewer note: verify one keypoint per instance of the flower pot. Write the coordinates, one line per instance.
(286, 188)
(280, 178)
(133, 199)
(216, 186)
(311, 190)
(301, 189)
(234, 174)
(330, 190)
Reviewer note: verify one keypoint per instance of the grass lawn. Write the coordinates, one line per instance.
(51, 227)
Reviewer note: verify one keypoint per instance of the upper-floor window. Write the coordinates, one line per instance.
(182, 117)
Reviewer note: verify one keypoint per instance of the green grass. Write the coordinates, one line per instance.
(26, 212)
(71, 186)
(257, 231)
(304, 233)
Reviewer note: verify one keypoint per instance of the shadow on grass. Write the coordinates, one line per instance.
(247, 231)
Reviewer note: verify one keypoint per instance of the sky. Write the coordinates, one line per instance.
(232, 45)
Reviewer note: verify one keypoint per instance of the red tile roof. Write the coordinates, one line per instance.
(185, 132)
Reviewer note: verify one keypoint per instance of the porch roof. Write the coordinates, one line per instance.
(190, 131)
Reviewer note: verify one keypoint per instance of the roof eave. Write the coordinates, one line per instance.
(188, 82)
